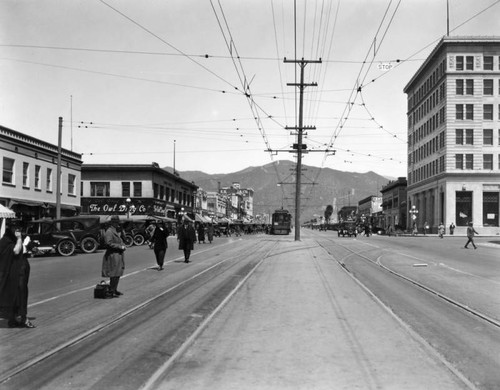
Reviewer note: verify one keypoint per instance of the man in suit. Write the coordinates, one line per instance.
(186, 237)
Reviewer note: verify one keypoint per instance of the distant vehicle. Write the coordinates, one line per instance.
(281, 221)
(347, 228)
(64, 235)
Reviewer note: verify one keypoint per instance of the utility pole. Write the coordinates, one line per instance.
(300, 129)
(58, 172)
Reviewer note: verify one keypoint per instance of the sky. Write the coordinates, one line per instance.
(203, 84)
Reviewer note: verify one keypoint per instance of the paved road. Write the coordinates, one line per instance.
(288, 315)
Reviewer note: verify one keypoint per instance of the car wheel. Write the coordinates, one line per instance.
(89, 245)
(128, 240)
(139, 239)
(66, 248)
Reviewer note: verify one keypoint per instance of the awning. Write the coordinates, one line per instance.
(5, 212)
(33, 203)
(165, 219)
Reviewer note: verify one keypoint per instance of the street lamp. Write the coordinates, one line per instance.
(128, 200)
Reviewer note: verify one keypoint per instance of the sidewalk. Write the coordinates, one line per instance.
(301, 322)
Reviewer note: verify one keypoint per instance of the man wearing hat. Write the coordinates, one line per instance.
(186, 237)
(113, 262)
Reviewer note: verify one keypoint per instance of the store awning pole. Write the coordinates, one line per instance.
(58, 174)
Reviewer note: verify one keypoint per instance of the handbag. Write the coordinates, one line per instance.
(102, 290)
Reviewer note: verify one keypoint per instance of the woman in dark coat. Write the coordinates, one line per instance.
(210, 233)
(160, 243)
(201, 233)
(13, 280)
(113, 262)
(186, 237)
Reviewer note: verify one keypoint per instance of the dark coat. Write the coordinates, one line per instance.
(113, 262)
(186, 236)
(10, 270)
(201, 233)
(160, 238)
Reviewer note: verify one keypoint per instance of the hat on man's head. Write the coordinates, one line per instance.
(114, 218)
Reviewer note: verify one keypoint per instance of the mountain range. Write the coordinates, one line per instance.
(274, 186)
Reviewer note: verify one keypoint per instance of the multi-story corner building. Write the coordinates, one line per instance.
(454, 135)
(241, 201)
(369, 207)
(394, 210)
(217, 205)
(29, 176)
(132, 190)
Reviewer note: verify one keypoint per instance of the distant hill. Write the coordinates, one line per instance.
(346, 187)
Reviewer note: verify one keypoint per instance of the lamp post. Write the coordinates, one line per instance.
(128, 200)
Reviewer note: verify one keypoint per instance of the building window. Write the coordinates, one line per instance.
(459, 111)
(137, 189)
(488, 162)
(99, 188)
(125, 189)
(48, 186)
(488, 62)
(488, 137)
(26, 178)
(38, 182)
(488, 87)
(469, 63)
(469, 161)
(488, 112)
(459, 161)
(469, 87)
(469, 111)
(162, 192)
(469, 136)
(460, 62)
(8, 171)
(156, 190)
(490, 208)
(459, 136)
(463, 210)
(459, 86)
(71, 184)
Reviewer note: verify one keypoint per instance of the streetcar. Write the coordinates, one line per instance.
(281, 222)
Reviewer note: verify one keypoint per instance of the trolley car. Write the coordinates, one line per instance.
(281, 222)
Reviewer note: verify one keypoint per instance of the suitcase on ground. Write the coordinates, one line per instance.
(102, 291)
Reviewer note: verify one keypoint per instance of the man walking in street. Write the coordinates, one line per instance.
(470, 236)
(186, 237)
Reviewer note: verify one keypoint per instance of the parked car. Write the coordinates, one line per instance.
(64, 235)
(347, 228)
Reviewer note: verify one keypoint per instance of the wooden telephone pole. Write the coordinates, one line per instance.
(299, 146)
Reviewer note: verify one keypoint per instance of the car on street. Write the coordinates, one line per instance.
(347, 228)
(64, 235)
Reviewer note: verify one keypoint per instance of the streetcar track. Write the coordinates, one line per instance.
(440, 295)
(160, 372)
(416, 336)
(122, 277)
(6, 376)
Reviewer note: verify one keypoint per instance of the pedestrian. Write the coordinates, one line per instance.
(452, 228)
(14, 276)
(470, 236)
(186, 237)
(441, 230)
(201, 233)
(389, 230)
(160, 244)
(415, 229)
(113, 261)
(426, 227)
(210, 233)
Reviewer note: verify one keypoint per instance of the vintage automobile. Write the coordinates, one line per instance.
(347, 228)
(64, 235)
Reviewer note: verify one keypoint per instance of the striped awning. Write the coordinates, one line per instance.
(5, 212)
